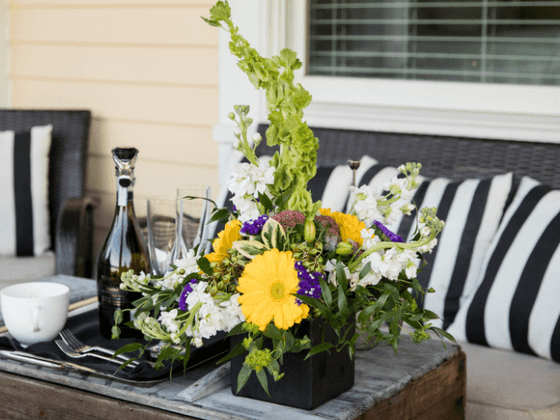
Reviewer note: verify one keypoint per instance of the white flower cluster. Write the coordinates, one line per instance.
(364, 205)
(368, 205)
(213, 315)
(185, 266)
(246, 182)
(384, 263)
(425, 232)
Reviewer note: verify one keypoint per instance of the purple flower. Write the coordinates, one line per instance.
(308, 282)
(186, 290)
(393, 237)
(253, 227)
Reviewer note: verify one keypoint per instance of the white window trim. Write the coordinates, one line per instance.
(492, 111)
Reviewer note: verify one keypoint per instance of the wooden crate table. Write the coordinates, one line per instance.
(420, 382)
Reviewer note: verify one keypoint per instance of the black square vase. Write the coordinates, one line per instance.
(306, 383)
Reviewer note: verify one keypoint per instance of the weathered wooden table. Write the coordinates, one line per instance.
(420, 382)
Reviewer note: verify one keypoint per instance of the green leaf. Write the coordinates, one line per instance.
(243, 377)
(265, 201)
(365, 270)
(342, 303)
(145, 304)
(261, 376)
(128, 348)
(300, 345)
(250, 249)
(273, 332)
(366, 314)
(302, 98)
(284, 198)
(204, 265)
(220, 11)
(126, 363)
(416, 318)
(341, 276)
(115, 332)
(378, 305)
(273, 234)
(211, 22)
(218, 215)
(236, 351)
(414, 324)
(444, 333)
(118, 316)
(319, 348)
(326, 292)
(238, 329)
(430, 315)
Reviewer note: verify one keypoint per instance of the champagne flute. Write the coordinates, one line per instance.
(164, 232)
(195, 214)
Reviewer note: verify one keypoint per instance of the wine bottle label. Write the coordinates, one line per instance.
(111, 296)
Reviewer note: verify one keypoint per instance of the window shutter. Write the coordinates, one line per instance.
(515, 42)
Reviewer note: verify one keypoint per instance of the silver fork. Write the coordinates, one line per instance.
(66, 349)
(75, 344)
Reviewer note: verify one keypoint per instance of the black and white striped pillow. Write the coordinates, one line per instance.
(472, 210)
(24, 166)
(515, 305)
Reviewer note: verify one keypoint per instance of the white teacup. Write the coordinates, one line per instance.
(35, 312)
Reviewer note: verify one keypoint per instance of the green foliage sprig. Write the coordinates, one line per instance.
(296, 161)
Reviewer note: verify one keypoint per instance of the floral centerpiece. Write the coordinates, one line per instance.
(282, 259)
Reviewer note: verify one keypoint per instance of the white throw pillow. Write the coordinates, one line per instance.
(24, 177)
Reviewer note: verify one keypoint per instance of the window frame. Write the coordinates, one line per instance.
(484, 110)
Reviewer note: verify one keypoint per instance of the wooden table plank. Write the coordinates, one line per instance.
(440, 394)
(25, 398)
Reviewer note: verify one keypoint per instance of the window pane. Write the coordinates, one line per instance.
(473, 41)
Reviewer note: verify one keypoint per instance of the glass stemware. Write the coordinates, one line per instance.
(164, 232)
(195, 213)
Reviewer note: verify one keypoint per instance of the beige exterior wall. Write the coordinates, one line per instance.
(4, 54)
(147, 71)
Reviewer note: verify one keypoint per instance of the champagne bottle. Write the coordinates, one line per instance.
(123, 249)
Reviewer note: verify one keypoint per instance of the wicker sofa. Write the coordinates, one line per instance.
(70, 211)
(501, 384)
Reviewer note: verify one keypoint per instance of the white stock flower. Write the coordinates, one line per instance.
(247, 181)
(407, 209)
(187, 263)
(167, 319)
(369, 237)
(232, 312)
(410, 270)
(175, 338)
(429, 246)
(247, 208)
(364, 204)
(425, 231)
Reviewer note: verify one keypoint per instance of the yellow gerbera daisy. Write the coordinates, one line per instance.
(350, 226)
(225, 241)
(268, 287)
